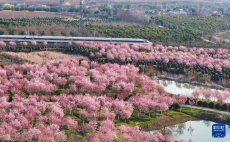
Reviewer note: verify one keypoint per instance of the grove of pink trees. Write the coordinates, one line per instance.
(208, 58)
(35, 119)
(18, 117)
(221, 97)
(205, 58)
(39, 101)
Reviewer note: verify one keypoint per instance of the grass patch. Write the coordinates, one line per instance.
(155, 121)
(187, 111)
(150, 119)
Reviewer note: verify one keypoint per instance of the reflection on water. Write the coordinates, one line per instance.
(182, 88)
(207, 123)
(197, 131)
(228, 129)
(180, 128)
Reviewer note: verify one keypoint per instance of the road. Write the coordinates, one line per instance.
(208, 109)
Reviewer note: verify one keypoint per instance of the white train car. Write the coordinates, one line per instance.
(61, 39)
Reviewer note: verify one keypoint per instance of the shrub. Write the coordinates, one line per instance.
(217, 106)
(187, 102)
(41, 33)
(204, 104)
(21, 33)
(199, 103)
(211, 105)
(224, 107)
(63, 33)
(11, 31)
(52, 33)
(71, 33)
(32, 33)
(175, 106)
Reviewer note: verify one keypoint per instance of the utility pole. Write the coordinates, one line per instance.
(170, 39)
(94, 33)
(81, 11)
(24, 10)
(13, 11)
(49, 6)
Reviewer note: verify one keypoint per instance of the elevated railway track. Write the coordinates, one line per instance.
(66, 40)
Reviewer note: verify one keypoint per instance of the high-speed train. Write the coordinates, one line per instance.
(60, 39)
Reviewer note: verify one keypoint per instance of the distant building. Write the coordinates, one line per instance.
(147, 17)
(97, 16)
(216, 12)
(110, 17)
(180, 12)
(79, 17)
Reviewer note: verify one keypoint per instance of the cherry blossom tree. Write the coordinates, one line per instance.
(83, 114)
(181, 100)
(191, 102)
(196, 94)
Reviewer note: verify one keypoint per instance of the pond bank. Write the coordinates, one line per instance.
(206, 84)
(166, 121)
(206, 115)
(173, 117)
(182, 78)
(194, 130)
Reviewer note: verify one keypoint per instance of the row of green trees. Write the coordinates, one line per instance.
(37, 21)
(197, 24)
(154, 34)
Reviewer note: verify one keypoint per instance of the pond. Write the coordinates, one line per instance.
(182, 88)
(197, 131)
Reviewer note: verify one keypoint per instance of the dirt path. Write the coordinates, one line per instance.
(42, 56)
(208, 109)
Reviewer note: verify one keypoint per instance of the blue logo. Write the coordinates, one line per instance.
(218, 130)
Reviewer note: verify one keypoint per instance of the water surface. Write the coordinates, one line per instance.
(197, 131)
(183, 88)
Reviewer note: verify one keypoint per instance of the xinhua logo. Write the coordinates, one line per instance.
(218, 130)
